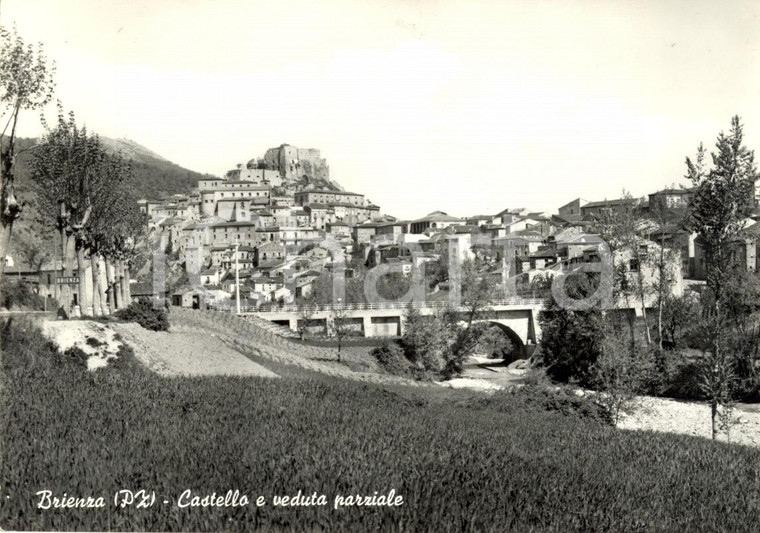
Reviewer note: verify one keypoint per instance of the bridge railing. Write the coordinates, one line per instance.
(294, 308)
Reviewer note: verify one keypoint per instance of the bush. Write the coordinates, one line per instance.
(19, 295)
(571, 342)
(552, 399)
(390, 356)
(25, 347)
(146, 315)
(685, 381)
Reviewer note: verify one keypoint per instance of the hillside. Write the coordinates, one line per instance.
(155, 176)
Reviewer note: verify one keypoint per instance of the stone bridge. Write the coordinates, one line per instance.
(516, 317)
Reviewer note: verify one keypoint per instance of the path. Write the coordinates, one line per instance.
(188, 353)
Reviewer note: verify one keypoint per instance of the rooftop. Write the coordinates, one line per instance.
(438, 216)
(327, 191)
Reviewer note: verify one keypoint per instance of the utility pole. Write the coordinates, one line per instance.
(237, 277)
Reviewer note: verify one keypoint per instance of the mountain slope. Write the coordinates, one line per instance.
(155, 176)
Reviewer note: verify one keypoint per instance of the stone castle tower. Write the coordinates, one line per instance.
(293, 163)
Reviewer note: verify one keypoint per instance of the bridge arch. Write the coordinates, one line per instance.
(518, 346)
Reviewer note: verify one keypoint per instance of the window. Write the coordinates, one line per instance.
(633, 265)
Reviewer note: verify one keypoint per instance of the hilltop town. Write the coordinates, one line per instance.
(272, 347)
(269, 219)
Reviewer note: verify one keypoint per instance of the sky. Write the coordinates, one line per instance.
(467, 107)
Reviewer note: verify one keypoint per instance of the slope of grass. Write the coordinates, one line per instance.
(495, 466)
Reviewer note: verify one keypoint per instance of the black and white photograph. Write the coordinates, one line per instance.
(383, 266)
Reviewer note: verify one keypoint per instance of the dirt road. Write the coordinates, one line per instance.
(187, 353)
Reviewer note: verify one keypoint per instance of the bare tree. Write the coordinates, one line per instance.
(340, 325)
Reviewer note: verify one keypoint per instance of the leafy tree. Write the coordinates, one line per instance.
(619, 374)
(26, 83)
(63, 169)
(571, 341)
(427, 339)
(679, 314)
(441, 342)
(34, 252)
(477, 295)
(83, 192)
(721, 203)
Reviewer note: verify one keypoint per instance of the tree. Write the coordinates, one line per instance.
(82, 191)
(679, 314)
(618, 373)
(666, 219)
(617, 226)
(441, 342)
(26, 83)
(571, 341)
(721, 203)
(306, 310)
(341, 325)
(33, 252)
(62, 169)
(427, 339)
(477, 295)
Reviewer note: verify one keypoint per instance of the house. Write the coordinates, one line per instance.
(363, 233)
(339, 229)
(228, 282)
(268, 252)
(434, 220)
(324, 196)
(479, 220)
(392, 228)
(262, 288)
(672, 198)
(508, 215)
(267, 234)
(211, 276)
(189, 297)
(576, 243)
(595, 209)
(676, 238)
(547, 257)
(319, 215)
(522, 245)
(571, 211)
(145, 292)
(640, 266)
(304, 283)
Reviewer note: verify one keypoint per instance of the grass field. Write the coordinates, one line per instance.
(490, 464)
